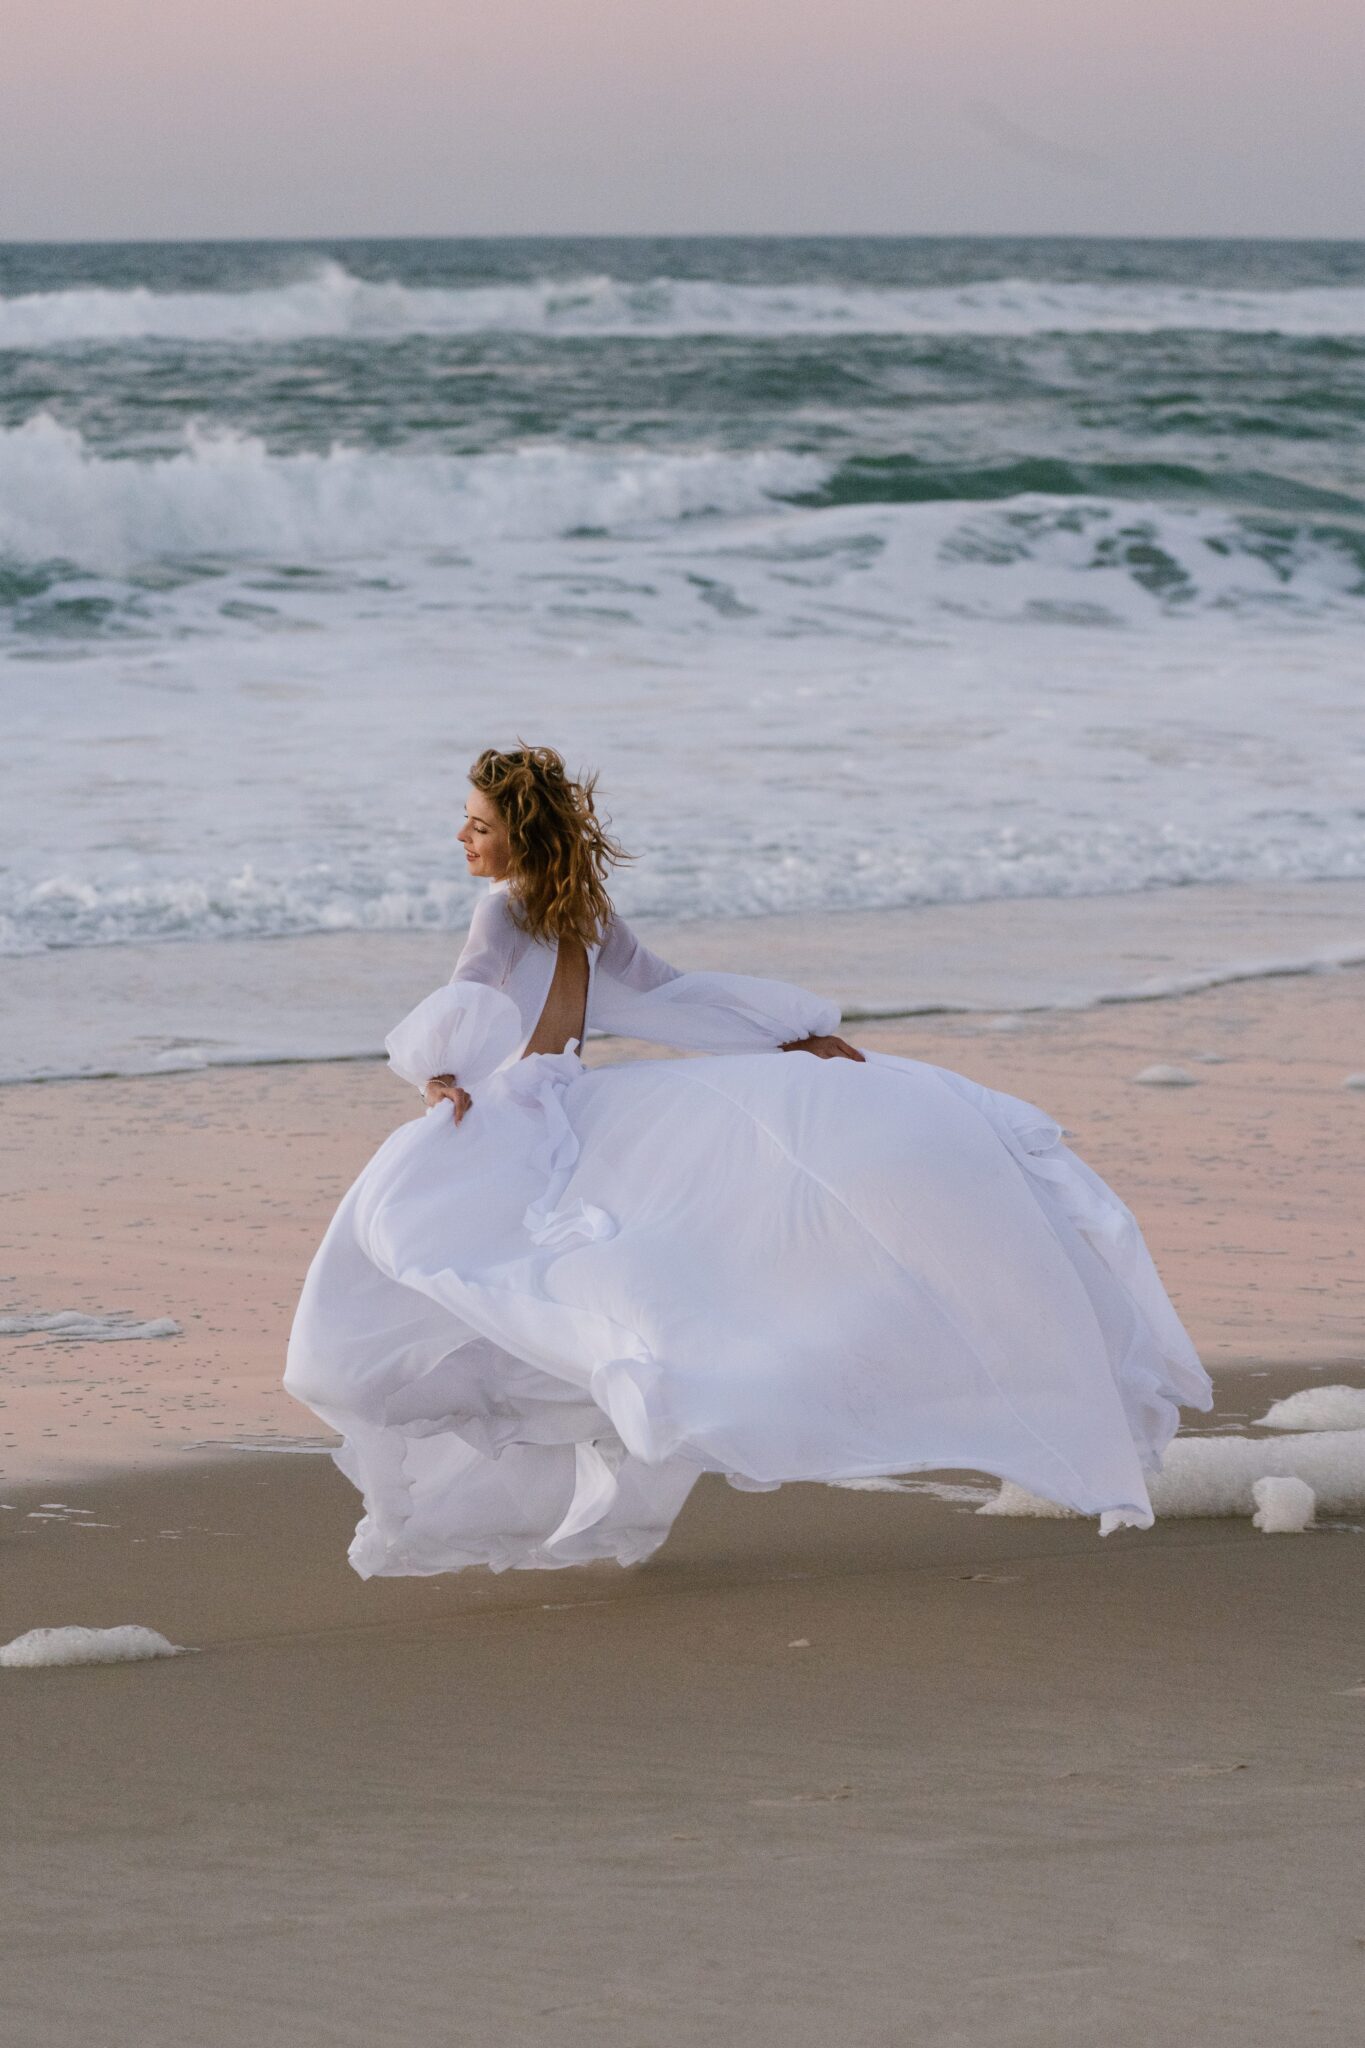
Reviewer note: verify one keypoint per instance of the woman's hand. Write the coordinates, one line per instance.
(825, 1048)
(444, 1088)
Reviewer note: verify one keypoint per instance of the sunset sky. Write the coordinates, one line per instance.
(130, 118)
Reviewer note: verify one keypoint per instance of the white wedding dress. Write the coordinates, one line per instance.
(535, 1329)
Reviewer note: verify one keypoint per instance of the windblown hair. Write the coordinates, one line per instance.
(561, 853)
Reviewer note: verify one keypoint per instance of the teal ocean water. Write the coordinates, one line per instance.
(868, 572)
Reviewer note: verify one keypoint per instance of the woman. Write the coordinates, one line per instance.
(548, 1305)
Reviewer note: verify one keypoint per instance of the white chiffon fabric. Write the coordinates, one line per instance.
(534, 1330)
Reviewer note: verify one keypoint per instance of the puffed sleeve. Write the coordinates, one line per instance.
(638, 995)
(465, 1029)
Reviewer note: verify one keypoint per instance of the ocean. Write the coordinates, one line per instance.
(869, 573)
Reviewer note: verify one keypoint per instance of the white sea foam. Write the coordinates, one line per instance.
(754, 565)
(1015, 1500)
(882, 1485)
(1284, 1507)
(1022, 767)
(1217, 1475)
(124, 1645)
(1318, 1408)
(330, 301)
(258, 1446)
(224, 493)
(74, 1326)
(1074, 696)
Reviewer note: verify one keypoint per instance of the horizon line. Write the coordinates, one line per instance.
(669, 235)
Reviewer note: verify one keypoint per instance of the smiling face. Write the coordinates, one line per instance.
(487, 848)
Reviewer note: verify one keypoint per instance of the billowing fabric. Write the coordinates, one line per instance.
(536, 1329)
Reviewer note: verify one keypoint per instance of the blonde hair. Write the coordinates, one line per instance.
(561, 853)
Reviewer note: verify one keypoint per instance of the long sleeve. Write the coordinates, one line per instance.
(627, 961)
(638, 995)
(486, 955)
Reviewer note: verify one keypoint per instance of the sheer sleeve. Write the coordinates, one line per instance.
(638, 995)
(626, 961)
(465, 1029)
(472, 1026)
(487, 951)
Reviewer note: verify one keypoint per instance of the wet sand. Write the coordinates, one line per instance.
(833, 1765)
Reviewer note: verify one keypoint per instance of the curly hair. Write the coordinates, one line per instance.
(560, 851)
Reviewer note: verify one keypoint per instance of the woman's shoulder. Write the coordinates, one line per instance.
(493, 911)
(493, 941)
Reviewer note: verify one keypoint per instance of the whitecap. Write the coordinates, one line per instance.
(225, 493)
(329, 300)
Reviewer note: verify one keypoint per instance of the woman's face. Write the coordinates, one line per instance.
(487, 849)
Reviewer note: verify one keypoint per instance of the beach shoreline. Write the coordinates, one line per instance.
(180, 1005)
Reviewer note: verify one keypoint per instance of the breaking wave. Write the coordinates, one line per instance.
(758, 535)
(224, 493)
(331, 301)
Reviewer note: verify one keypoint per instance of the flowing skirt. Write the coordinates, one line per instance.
(534, 1331)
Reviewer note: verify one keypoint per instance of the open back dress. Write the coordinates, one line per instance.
(534, 1330)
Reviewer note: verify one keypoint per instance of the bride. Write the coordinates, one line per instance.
(549, 1304)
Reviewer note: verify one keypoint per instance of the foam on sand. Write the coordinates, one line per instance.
(1217, 1475)
(1317, 1408)
(1284, 1507)
(940, 1489)
(73, 1326)
(124, 1645)
(1165, 1077)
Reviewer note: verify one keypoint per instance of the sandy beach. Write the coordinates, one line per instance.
(834, 1764)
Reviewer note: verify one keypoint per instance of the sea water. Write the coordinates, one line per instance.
(869, 573)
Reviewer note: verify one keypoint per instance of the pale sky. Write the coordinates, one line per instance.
(122, 119)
